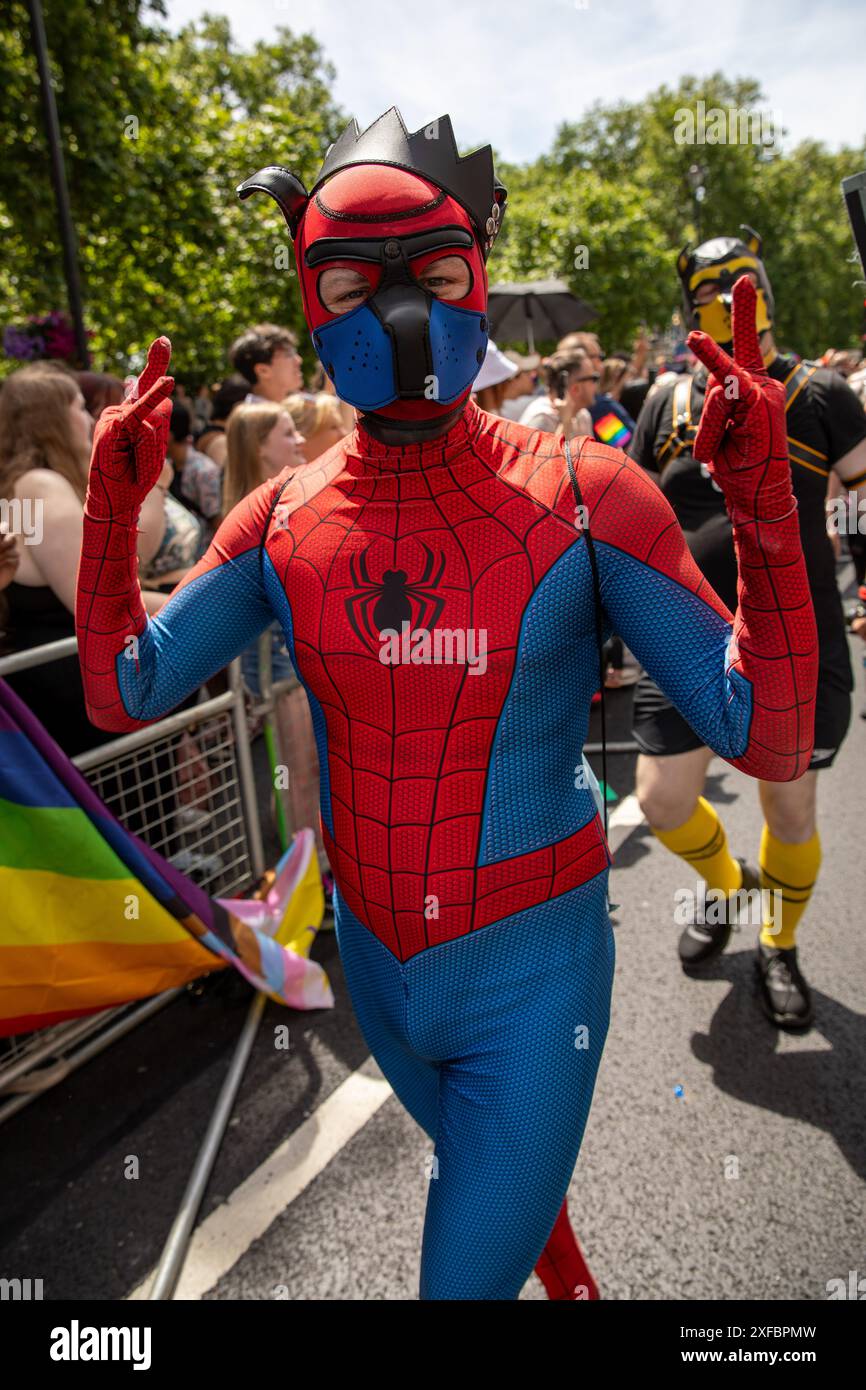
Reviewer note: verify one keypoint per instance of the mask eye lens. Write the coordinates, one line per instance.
(706, 291)
(447, 278)
(341, 289)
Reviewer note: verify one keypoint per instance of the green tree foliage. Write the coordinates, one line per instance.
(158, 132)
(159, 129)
(618, 183)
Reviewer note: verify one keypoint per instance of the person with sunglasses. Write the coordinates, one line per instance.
(571, 382)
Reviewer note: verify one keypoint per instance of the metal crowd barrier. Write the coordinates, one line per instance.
(185, 785)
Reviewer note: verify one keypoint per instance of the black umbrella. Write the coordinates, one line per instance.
(539, 309)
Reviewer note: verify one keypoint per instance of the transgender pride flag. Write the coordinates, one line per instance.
(91, 917)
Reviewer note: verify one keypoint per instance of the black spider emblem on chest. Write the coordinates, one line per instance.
(392, 601)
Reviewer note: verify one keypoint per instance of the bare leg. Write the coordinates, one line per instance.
(668, 788)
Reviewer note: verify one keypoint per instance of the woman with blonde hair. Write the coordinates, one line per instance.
(45, 433)
(319, 420)
(262, 440)
(321, 384)
(259, 447)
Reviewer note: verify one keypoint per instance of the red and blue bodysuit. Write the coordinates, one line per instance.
(438, 605)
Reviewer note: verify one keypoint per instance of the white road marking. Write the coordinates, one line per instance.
(628, 812)
(622, 820)
(221, 1240)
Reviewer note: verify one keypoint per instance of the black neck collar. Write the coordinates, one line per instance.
(397, 432)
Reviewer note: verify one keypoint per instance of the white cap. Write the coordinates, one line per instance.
(495, 368)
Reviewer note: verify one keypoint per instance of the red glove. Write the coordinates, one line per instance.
(743, 440)
(742, 436)
(128, 456)
(129, 443)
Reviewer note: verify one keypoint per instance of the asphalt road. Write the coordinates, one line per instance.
(337, 1212)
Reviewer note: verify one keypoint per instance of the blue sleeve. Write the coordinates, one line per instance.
(683, 643)
(216, 612)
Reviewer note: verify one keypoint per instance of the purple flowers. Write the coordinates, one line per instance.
(17, 342)
(42, 336)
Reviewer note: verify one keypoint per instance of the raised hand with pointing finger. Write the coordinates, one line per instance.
(129, 443)
(129, 448)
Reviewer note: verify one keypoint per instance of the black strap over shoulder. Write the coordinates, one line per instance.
(267, 525)
(683, 427)
(599, 618)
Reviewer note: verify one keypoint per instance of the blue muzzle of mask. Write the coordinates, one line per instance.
(364, 352)
(402, 344)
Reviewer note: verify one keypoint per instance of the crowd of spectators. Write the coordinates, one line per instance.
(227, 439)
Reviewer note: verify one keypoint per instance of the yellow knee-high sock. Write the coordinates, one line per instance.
(791, 871)
(702, 842)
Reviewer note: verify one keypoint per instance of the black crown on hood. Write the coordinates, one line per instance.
(431, 151)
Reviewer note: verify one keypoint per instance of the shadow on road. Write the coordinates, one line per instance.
(827, 1089)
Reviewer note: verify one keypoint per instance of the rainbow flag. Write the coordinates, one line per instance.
(91, 917)
(610, 429)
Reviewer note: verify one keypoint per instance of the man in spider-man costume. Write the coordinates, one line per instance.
(470, 864)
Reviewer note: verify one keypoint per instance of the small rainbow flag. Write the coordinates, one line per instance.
(610, 429)
(92, 917)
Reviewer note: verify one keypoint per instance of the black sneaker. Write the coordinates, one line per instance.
(700, 943)
(785, 996)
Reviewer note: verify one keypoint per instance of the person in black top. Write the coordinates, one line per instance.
(826, 430)
(212, 439)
